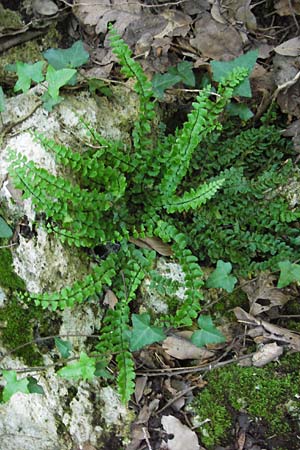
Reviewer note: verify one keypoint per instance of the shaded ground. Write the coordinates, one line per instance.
(161, 34)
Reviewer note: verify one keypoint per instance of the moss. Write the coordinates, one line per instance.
(9, 19)
(261, 393)
(8, 279)
(17, 325)
(29, 52)
(18, 320)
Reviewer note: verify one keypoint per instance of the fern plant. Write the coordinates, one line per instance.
(250, 222)
(123, 192)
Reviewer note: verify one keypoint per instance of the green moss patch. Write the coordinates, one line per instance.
(9, 19)
(17, 324)
(8, 279)
(262, 393)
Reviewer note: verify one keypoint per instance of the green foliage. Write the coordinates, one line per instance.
(240, 110)
(208, 334)
(161, 82)
(220, 277)
(260, 392)
(221, 69)
(28, 73)
(2, 100)
(58, 78)
(5, 230)
(61, 71)
(34, 387)
(64, 347)
(83, 369)
(289, 273)
(13, 385)
(72, 57)
(143, 333)
(181, 73)
(249, 221)
(26, 385)
(113, 192)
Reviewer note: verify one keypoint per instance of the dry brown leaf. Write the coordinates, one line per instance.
(181, 348)
(98, 13)
(140, 384)
(153, 243)
(216, 40)
(178, 23)
(289, 48)
(216, 12)
(268, 331)
(266, 354)
(293, 131)
(195, 6)
(110, 299)
(237, 11)
(287, 7)
(262, 294)
(285, 70)
(182, 436)
(289, 101)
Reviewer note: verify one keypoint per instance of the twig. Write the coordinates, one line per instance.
(174, 399)
(178, 2)
(293, 14)
(195, 369)
(286, 85)
(9, 245)
(43, 339)
(146, 438)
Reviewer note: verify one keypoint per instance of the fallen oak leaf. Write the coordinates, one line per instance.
(262, 295)
(180, 347)
(181, 436)
(266, 354)
(153, 243)
(270, 331)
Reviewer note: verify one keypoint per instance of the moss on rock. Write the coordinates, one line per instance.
(9, 19)
(263, 393)
(8, 278)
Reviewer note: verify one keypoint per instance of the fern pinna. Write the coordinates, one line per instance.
(121, 192)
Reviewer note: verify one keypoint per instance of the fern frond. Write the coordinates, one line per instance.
(202, 121)
(195, 197)
(94, 283)
(190, 307)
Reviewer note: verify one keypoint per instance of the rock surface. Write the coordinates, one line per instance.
(70, 413)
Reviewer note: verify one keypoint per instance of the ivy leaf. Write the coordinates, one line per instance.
(34, 387)
(143, 333)
(209, 333)
(184, 70)
(58, 78)
(13, 385)
(28, 73)
(49, 102)
(288, 273)
(72, 57)
(240, 110)
(222, 68)
(2, 100)
(83, 369)
(220, 277)
(64, 347)
(99, 85)
(5, 230)
(161, 82)
(101, 371)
